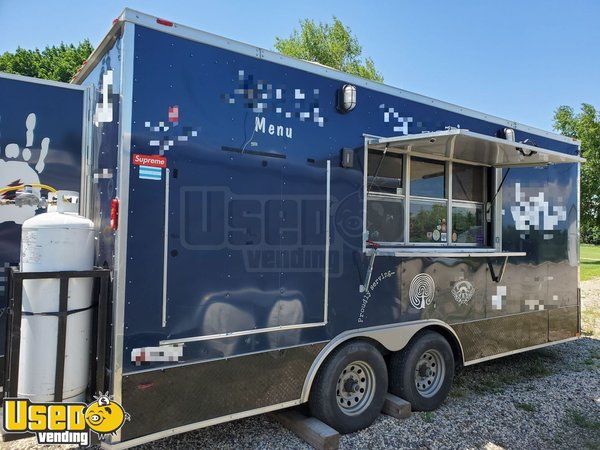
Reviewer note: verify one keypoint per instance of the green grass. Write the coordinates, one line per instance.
(495, 376)
(526, 407)
(589, 260)
(427, 416)
(590, 269)
(593, 359)
(590, 321)
(581, 420)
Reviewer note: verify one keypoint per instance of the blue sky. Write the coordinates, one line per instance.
(514, 59)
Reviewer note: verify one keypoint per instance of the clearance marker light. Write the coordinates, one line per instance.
(166, 23)
(114, 213)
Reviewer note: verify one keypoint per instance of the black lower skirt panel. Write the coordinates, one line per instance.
(159, 400)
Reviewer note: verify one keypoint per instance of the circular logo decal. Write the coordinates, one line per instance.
(463, 291)
(422, 291)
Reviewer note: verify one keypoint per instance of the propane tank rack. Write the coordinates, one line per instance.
(98, 347)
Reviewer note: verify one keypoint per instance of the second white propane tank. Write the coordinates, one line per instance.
(55, 241)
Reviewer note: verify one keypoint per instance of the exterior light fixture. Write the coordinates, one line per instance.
(527, 152)
(509, 134)
(346, 98)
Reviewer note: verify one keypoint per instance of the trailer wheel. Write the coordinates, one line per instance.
(349, 389)
(422, 372)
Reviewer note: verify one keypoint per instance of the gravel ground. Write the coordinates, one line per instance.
(590, 307)
(545, 399)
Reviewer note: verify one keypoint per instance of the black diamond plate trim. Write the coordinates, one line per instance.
(563, 322)
(487, 337)
(162, 399)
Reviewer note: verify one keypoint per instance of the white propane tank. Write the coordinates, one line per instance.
(56, 241)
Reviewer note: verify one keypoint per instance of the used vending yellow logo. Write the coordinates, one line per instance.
(64, 423)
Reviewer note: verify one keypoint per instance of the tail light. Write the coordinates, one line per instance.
(114, 213)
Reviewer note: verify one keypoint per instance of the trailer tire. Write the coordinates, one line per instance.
(349, 389)
(422, 372)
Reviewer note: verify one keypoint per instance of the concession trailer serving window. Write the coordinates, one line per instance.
(437, 193)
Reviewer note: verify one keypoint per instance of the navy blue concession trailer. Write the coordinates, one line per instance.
(279, 232)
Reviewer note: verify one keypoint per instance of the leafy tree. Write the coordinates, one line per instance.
(332, 45)
(59, 62)
(585, 126)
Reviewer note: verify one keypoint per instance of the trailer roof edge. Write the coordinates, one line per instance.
(193, 34)
(98, 52)
(53, 83)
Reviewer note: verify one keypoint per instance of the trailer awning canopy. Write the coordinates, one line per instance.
(464, 145)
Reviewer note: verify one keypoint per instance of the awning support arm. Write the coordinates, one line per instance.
(491, 202)
(363, 287)
(376, 170)
(497, 278)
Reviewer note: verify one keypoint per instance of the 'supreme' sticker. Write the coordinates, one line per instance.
(151, 166)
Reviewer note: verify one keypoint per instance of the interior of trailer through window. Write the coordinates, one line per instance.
(425, 201)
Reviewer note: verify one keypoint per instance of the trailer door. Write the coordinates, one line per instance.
(41, 140)
(246, 247)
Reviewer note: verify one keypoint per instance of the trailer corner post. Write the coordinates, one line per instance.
(87, 173)
(120, 258)
(497, 210)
